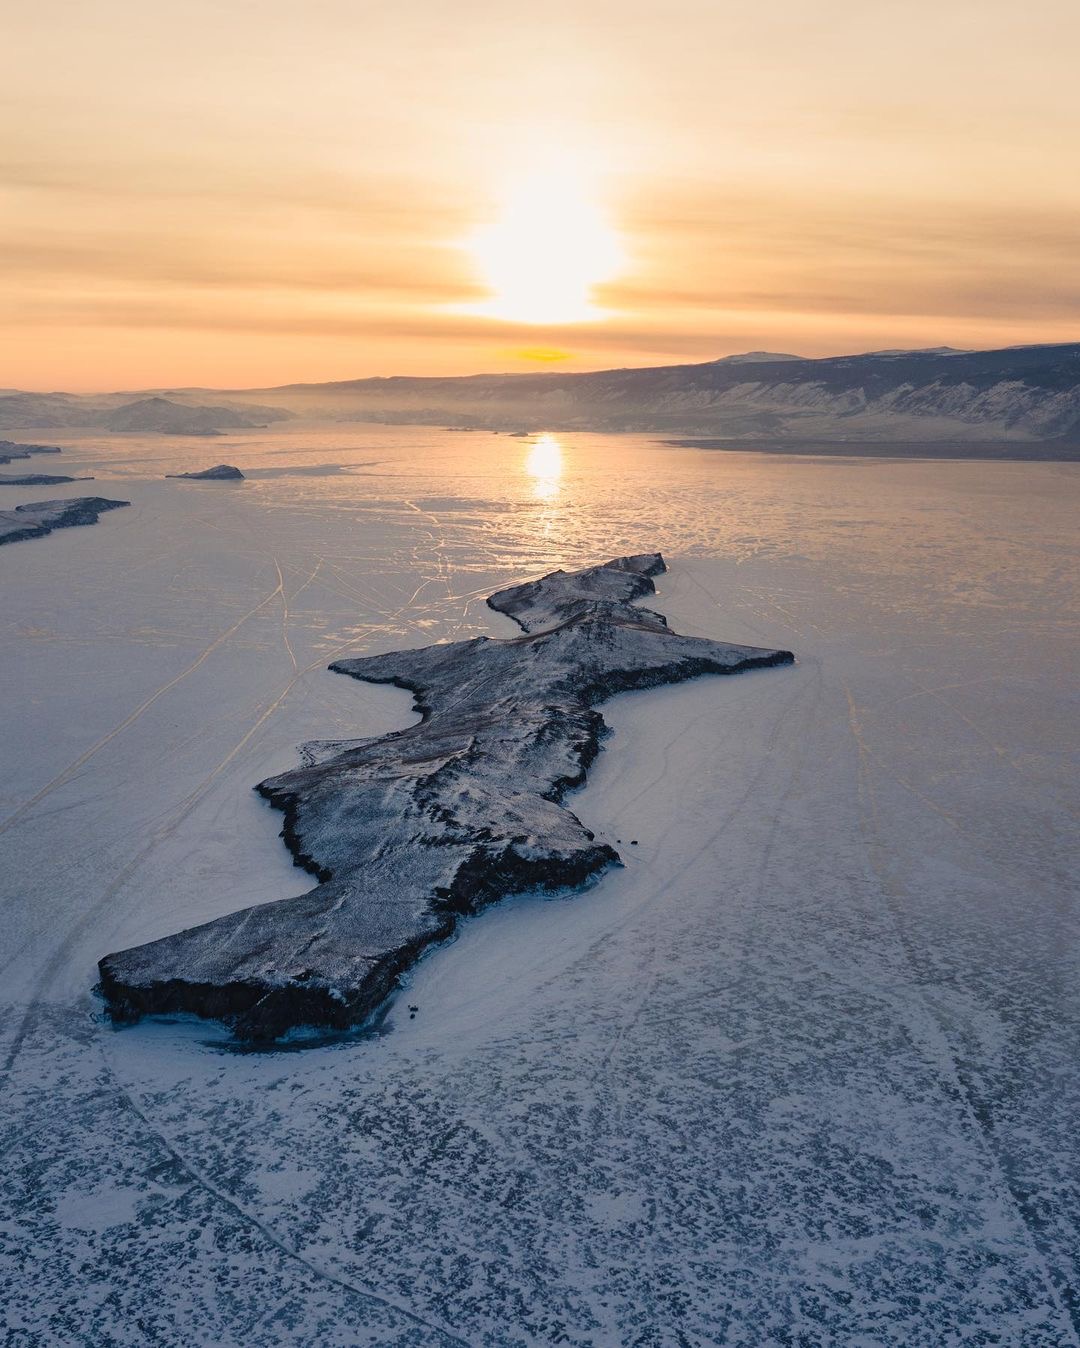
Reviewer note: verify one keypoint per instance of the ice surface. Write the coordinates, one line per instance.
(802, 1072)
(36, 479)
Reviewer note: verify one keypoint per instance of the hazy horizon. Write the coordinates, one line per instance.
(767, 358)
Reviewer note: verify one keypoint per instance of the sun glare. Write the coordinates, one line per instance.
(548, 249)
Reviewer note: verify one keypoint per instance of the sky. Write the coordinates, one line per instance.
(251, 192)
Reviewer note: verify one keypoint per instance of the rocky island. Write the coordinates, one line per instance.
(221, 472)
(409, 832)
(11, 449)
(38, 518)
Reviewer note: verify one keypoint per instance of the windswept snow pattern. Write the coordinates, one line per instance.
(410, 832)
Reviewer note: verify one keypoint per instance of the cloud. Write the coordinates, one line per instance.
(149, 265)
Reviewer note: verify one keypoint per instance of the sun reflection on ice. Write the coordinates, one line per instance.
(544, 465)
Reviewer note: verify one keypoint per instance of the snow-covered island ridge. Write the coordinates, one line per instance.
(409, 832)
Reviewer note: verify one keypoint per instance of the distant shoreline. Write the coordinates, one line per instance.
(1000, 451)
(987, 451)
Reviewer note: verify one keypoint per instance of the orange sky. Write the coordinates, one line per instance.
(250, 192)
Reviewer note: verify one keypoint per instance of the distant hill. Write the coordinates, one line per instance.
(19, 410)
(1020, 394)
(1029, 393)
(159, 414)
(118, 412)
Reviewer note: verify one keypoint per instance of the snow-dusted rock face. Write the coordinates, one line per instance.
(38, 518)
(409, 832)
(221, 472)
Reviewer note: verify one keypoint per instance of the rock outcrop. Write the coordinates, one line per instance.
(38, 518)
(11, 449)
(409, 832)
(221, 472)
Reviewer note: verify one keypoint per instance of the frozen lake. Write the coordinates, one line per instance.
(806, 1071)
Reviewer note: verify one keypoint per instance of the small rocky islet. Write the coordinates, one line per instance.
(409, 832)
(11, 449)
(221, 472)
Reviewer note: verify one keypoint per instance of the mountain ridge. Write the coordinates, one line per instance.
(1011, 393)
(1025, 393)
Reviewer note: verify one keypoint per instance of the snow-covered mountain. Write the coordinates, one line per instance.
(1026, 393)
(1018, 393)
(755, 358)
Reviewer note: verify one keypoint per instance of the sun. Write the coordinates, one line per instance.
(550, 246)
